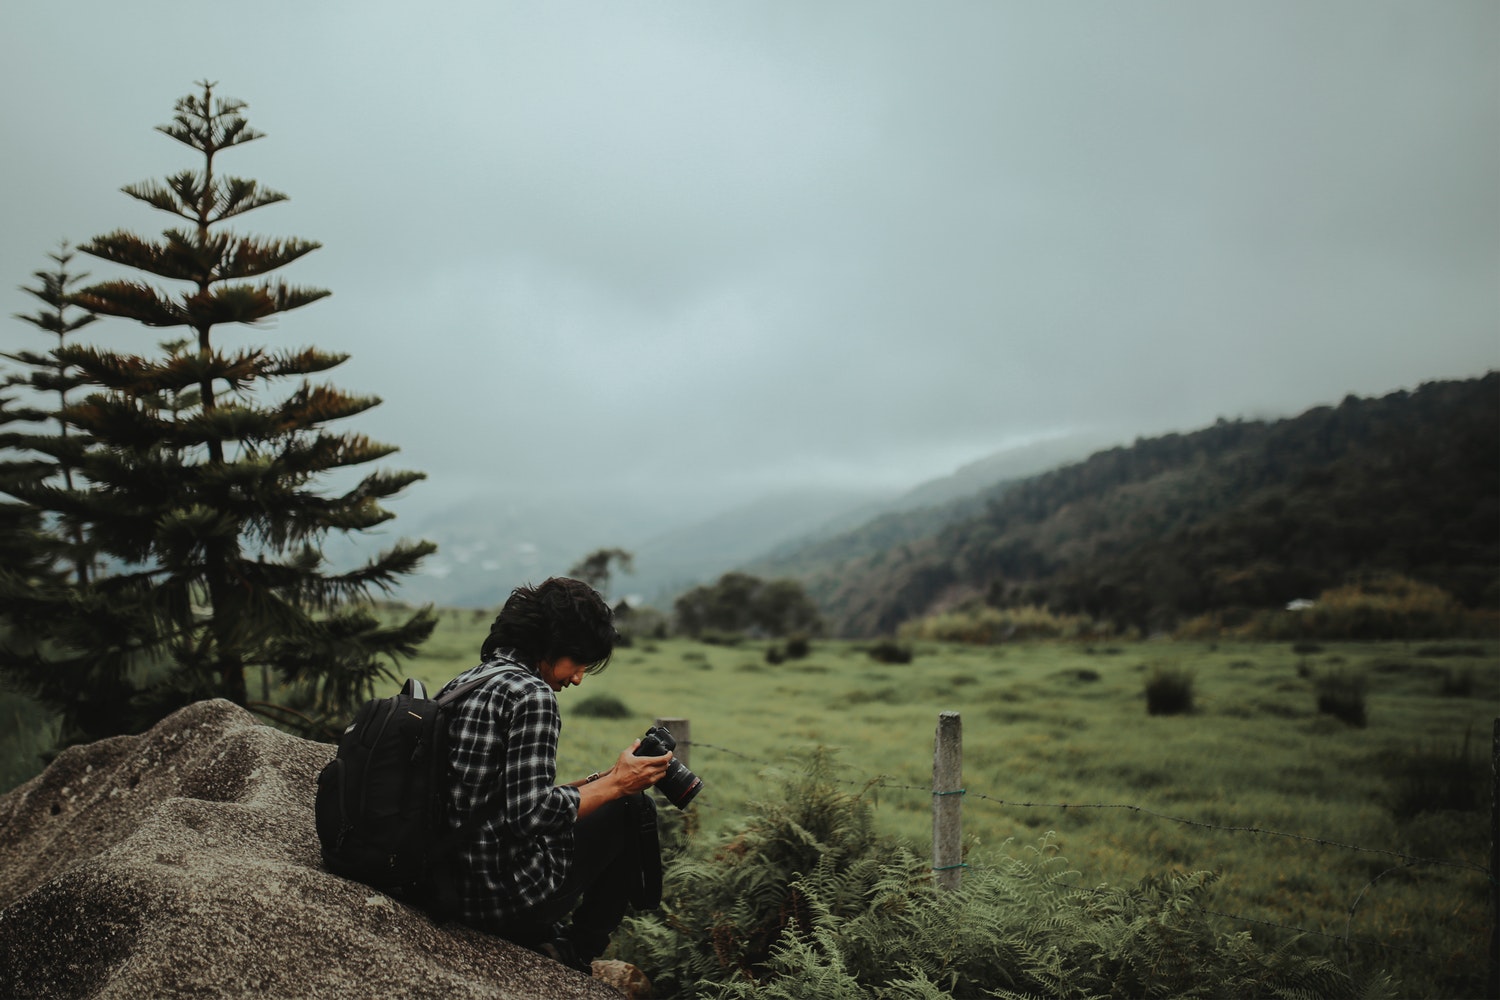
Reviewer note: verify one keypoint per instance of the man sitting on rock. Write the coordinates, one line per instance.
(534, 851)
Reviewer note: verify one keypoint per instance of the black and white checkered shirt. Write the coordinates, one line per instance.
(503, 748)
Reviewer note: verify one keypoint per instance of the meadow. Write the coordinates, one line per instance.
(1058, 741)
(1059, 745)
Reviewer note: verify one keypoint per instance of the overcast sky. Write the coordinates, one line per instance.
(712, 249)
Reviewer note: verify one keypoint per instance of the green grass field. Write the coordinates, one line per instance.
(1048, 724)
(1066, 723)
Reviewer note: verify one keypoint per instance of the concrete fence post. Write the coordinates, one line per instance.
(947, 801)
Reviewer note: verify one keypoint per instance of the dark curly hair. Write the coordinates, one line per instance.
(559, 617)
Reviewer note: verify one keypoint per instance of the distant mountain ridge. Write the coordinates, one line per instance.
(922, 510)
(1242, 514)
(489, 544)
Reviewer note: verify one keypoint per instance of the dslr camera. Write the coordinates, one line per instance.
(679, 785)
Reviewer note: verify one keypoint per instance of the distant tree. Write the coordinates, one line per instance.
(45, 376)
(739, 602)
(594, 568)
(200, 484)
(27, 560)
(782, 607)
(39, 552)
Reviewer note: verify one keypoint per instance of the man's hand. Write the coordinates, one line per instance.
(636, 773)
(630, 774)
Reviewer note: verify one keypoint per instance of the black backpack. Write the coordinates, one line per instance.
(379, 804)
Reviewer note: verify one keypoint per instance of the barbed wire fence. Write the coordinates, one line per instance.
(948, 794)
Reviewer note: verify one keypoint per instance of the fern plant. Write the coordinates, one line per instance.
(804, 900)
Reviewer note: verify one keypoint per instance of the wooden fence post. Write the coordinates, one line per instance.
(682, 732)
(947, 801)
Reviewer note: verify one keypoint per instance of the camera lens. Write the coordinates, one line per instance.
(679, 785)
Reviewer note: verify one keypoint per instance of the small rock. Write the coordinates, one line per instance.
(624, 977)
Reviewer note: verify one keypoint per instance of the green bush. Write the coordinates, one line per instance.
(602, 706)
(798, 646)
(1458, 683)
(1438, 779)
(775, 655)
(1382, 606)
(988, 625)
(1341, 694)
(716, 638)
(889, 651)
(1169, 691)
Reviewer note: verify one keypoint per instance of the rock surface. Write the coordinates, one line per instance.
(184, 861)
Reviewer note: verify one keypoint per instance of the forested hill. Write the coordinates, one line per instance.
(1244, 514)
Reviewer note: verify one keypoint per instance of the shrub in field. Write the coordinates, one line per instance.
(1438, 779)
(889, 651)
(990, 625)
(715, 638)
(1201, 627)
(1341, 694)
(1169, 691)
(602, 706)
(1382, 606)
(798, 646)
(775, 654)
(804, 901)
(1458, 683)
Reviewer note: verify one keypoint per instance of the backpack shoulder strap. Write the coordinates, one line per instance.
(468, 827)
(449, 697)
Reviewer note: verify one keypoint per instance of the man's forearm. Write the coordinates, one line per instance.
(597, 789)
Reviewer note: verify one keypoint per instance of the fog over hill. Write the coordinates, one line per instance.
(853, 545)
(487, 545)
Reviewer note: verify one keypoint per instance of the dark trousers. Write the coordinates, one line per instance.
(606, 868)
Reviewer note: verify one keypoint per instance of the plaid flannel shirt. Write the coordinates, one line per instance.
(503, 753)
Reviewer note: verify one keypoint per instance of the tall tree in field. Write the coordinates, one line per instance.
(28, 559)
(40, 553)
(204, 482)
(61, 642)
(50, 451)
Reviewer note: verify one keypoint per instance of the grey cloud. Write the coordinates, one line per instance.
(704, 250)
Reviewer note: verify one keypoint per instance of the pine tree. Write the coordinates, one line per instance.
(201, 486)
(39, 552)
(46, 376)
(27, 559)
